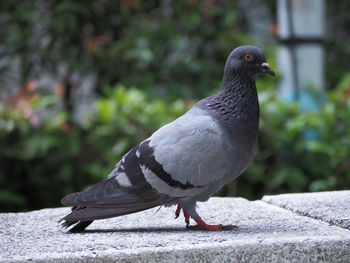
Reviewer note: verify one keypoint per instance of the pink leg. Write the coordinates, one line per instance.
(201, 225)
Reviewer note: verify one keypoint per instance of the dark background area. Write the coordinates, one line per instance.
(81, 82)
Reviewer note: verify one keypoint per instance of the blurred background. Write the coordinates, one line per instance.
(81, 82)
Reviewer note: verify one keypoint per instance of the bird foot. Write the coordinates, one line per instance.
(201, 225)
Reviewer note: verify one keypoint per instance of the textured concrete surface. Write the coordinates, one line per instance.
(266, 233)
(331, 207)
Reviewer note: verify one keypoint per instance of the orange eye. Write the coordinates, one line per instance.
(248, 57)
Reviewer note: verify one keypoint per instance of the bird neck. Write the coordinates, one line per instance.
(237, 107)
(236, 82)
(239, 97)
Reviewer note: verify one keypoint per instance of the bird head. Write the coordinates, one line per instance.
(249, 60)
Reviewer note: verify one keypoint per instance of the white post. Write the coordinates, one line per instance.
(301, 54)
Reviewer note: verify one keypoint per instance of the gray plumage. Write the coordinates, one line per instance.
(187, 160)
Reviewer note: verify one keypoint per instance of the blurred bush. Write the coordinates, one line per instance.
(43, 159)
(160, 51)
(120, 42)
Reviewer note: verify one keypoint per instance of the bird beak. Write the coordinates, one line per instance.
(265, 67)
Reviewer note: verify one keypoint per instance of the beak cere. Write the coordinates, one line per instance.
(265, 67)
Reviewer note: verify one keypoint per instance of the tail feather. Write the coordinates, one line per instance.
(79, 227)
(69, 200)
(84, 216)
(93, 213)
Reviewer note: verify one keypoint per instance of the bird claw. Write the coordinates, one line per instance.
(187, 219)
(178, 210)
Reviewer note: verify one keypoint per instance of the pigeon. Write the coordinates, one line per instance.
(187, 160)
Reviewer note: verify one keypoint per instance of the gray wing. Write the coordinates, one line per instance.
(186, 156)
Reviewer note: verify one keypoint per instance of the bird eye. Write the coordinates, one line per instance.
(248, 57)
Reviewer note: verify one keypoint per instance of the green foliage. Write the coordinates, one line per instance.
(38, 161)
(42, 162)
